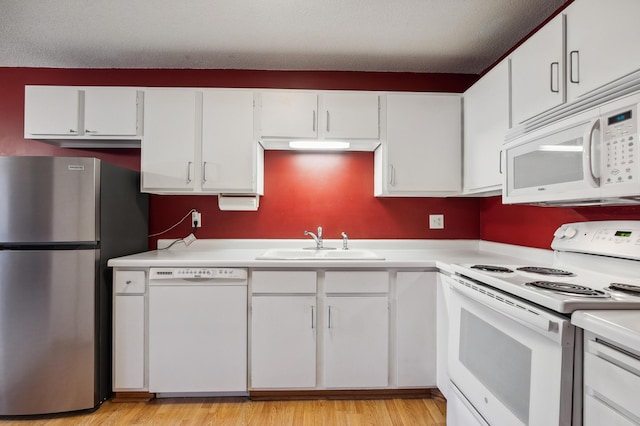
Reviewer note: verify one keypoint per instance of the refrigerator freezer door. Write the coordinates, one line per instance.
(48, 199)
(47, 324)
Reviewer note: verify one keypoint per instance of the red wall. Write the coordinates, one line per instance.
(534, 226)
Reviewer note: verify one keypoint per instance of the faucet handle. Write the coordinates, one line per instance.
(345, 241)
(319, 231)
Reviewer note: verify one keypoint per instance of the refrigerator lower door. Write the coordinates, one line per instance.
(47, 337)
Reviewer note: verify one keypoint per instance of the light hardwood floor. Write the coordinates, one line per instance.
(241, 412)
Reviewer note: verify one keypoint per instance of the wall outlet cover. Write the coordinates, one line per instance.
(436, 221)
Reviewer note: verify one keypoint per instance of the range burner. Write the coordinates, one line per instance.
(546, 271)
(491, 268)
(627, 288)
(567, 288)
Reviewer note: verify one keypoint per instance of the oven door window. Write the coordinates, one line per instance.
(499, 361)
(512, 372)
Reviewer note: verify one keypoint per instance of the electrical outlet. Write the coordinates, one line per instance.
(196, 219)
(436, 221)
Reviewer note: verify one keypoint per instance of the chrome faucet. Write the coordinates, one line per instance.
(345, 241)
(316, 238)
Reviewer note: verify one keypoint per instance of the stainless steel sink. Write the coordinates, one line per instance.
(322, 254)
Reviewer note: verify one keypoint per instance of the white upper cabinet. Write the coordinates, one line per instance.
(351, 115)
(289, 114)
(537, 72)
(169, 143)
(110, 111)
(486, 121)
(200, 141)
(51, 110)
(602, 40)
(83, 116)
(230, 155)
(422, 154)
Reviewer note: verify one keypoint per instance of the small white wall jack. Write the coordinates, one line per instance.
(436, 221)
(196, 219)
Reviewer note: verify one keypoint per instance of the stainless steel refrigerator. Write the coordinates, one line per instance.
(61, 219)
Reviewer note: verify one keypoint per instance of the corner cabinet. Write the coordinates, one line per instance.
(83, 117)
(422, 154)
(486, 121)
(200, 141)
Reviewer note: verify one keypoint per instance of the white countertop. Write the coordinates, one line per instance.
(620, 327)
(419, 254)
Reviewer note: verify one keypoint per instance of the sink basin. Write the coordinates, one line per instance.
(324, 254)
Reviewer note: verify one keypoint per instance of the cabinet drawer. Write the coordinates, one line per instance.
(596, 413)
(356, 282)
(612, 382)
(129, 282)
(284, 282)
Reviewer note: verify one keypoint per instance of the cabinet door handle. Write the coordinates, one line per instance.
(329, 322)
(312, 317)
(500, 161)
(73, 131)
(557, 74)
(392, 175)
(204, 172)
(128, 282)
(313, 124)
(189, 171)
(89, 131)
(328, 118)
(574, 70)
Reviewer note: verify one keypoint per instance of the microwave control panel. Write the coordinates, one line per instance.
(620, 147)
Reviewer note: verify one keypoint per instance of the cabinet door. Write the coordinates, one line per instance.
(416, 329)
(600, 40)
(537, 72)
(228, 147)
(111, 111)
(289, 114)
(51, 110)
(422, 154)
(356, 342)
(128, 343)
(168, 144)
(351, 115)
(486, 121)
(283, 342)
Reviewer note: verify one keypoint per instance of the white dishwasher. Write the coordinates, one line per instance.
(197, 331)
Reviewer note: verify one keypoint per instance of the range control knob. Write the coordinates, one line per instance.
(559, 233)
(570, 232)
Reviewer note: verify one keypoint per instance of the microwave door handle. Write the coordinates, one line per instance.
(587, 158)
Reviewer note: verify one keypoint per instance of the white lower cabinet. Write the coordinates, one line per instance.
(416, 329)
(356, 343)
(129, 342)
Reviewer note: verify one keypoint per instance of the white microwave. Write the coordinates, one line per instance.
(590, 158)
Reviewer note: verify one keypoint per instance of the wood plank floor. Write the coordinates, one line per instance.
(242, 412)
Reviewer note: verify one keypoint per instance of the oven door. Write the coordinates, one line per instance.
(555, 165)
(512, 361)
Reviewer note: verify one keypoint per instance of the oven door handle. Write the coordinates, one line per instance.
(518, 314)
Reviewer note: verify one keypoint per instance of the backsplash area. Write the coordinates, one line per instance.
(335, 191)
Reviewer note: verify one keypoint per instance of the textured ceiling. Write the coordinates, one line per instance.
(449, 36)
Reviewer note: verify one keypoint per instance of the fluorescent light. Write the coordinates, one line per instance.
(560, 148)
(320, 145)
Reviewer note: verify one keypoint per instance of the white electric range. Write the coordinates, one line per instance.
(515, 358)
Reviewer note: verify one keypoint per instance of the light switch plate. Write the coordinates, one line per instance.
(436, 221)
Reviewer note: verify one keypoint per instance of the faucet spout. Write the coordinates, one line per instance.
(316, 238)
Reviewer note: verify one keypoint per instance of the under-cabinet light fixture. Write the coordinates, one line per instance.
(319, 145)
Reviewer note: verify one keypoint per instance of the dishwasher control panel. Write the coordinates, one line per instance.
(197, 273)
